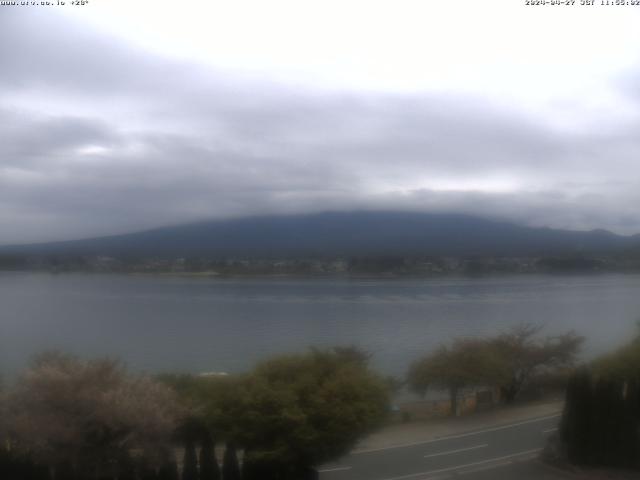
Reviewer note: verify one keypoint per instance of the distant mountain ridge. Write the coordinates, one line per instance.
(342, 234)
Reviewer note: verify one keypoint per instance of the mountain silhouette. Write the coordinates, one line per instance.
(342, 234)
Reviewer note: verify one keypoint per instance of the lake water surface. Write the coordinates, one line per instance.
(194, 324)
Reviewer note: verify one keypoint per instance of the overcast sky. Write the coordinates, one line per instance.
(123, 115)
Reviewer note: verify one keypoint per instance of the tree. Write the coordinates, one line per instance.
(21, 467)
(209, 469)
(85, 416)
(127, 468)
(257, 467)
(466, 363)
(168, 469)
(601, 421)
(230, 465)
(292, 412)
(522, 355)
(622, 364)
(296, 411)
(146, 471)
(575, 426)
(190, 462)
(353, 354)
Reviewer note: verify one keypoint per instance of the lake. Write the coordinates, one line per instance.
(198, 324)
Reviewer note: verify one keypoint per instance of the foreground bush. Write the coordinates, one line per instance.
(601, 421)
(84, 418)
(92, 420)
(290, 413)
(300, 411)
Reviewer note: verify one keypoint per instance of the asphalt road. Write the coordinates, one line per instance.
(501, 448)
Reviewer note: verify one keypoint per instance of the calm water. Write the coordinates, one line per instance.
(186, 324)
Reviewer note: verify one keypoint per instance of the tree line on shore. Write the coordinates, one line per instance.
(410, 265)
(71, 419)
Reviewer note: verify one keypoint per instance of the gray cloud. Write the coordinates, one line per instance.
(28, 142)
(99, 138)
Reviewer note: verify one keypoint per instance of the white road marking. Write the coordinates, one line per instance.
(549, 430)
(483, 468)
(336, 469)
(466, 465)
(457, 450)
(451, 437)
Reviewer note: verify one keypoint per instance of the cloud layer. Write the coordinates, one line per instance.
(101, 137)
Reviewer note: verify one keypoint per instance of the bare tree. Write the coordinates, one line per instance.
(524, 354)
(466, 363)
(507, 361)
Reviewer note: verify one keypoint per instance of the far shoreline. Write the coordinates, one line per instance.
(212, 275)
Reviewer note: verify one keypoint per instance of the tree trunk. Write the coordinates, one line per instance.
(230, 466)
(209, 469)
(509, 394)
(453, 393)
